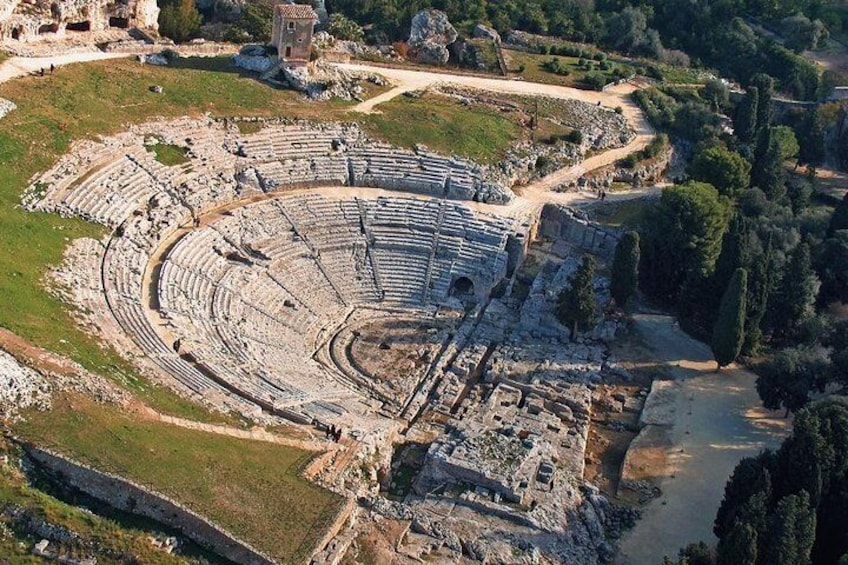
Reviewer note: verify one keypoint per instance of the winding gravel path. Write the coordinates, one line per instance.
(21, 66)
(406, 80)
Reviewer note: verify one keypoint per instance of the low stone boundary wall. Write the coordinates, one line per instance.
(560, 222)
(136, 499)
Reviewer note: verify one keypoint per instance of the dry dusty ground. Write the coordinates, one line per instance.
(717, 420)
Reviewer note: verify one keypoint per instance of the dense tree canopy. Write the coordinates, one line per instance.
(684, 240)
(726, 170)
(179, 19)
(715, 33)
(791, 507)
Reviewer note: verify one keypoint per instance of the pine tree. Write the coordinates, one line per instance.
(745, 120)
(726, 170)
(576, 304)
(684, 240)
(625, 268)
(729, 329)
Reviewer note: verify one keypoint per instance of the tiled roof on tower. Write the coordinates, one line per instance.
(296, 11)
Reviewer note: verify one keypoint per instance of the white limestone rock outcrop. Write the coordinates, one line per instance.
(254, 58)
(20, 387)
(485, 32)
(429, 37)
(6, 106)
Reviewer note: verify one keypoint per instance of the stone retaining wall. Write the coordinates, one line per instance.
(645, 173)
(130, 497)
(560, 222)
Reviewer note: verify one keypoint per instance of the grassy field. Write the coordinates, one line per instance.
(444, 125)
(125, 539)
(253, 489)
(170, 155)
(629, 214)
(535, 72)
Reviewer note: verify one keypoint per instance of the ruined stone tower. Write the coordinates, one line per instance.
(292, 33)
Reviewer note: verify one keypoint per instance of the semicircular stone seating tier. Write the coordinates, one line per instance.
(246, 297)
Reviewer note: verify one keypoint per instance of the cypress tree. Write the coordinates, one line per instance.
(767, 172)
(735, 252)
(745, 120)
(813, 144)
(625, 268)
(739, 546)
(576, 304)
(765, 90)
(792, 531)
(795, 294)
(759, 288)
(729, 329)
(839, 219)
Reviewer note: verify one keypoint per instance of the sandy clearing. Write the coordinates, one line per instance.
(718, 420)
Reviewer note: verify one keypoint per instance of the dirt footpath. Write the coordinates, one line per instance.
(717, 420)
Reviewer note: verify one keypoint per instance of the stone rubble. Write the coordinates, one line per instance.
(6, 106)
(21, 387)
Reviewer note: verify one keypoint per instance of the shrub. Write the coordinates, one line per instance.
(628, 162)
(555, 66)
(179, 20)
(254, 24)
(542, 161)
(595, 79)
(342, 27)
(401, 48)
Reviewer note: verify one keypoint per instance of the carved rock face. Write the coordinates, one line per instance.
(23, 21)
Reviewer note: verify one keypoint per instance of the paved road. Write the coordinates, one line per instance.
(718, 421)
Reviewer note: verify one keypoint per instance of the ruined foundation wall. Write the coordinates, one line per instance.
(130, 497)
(560, 222)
